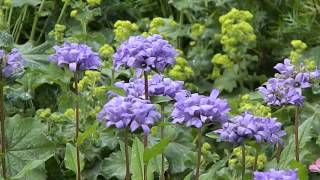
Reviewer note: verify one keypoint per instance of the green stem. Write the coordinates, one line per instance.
(126, 149)
(296, 133)
(3, 134)
(255, 161)
(164, 14)
(162, 175)
(77, 126)
(243, 162)
(198, 154)
(9, 19)
(42, 30)
(179, 43)
(21, 24)
(65, 5)
(278, 153)
(145, 136)
(84, 26)
(35, 21)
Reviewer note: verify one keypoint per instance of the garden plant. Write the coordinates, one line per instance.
(159, 90)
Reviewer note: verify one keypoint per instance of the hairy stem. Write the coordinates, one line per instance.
(255, 161)
(77, 125)
(35, 21)
(42, 30)
(296, 132)
(278, 153)
(198, 154)
(3, 134)
(126, 149)
(9, 19)
(21, 23)
(243, 162)
(65, 5)
(162, 177)
(145, 136)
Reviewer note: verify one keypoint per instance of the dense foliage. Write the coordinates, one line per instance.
(229, 88)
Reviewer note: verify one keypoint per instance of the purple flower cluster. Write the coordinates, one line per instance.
(195, 110)
(286, 87)
(157, 86)
(278, 92)
(129, 112)
(145, 54)
(276, 175)
(247, 126)
(76, 57)
(13, 63)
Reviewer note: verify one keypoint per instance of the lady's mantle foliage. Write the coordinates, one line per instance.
(278, 175)
(247, 126)
(13, 63)
(195, 110)
(129, 112)
(158, 86)
(286, 88)
(76, 57)
(145, 54)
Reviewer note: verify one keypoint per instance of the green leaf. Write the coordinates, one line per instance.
(288, 153)
(114, 165)
(70, 158)
(155, 150)
(137, 160)
(25, 143)
(114, 89)
(160, 99)
(212, 135)
(19, 3)
(227, 81)
(30, 166)
(90, 131)
(36, 57)
(302, 169)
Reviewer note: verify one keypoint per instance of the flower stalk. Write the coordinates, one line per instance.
(145, 135)
(77, 125)
(198, 154)
(126, 149)
(243, 162)
(162, 176)
(296, 133)
(3, 135)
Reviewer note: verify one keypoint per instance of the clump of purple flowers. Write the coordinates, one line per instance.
(286, 87)
(278, 175)
(195, 110)
(145, 54)
(129, 112)
(157, 86)
(278, 92)
(76, 57)
(248, 126)
(13, 63)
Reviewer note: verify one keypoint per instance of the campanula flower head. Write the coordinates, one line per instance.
(158, 85)
(276, 175)
(129, 112)
(13, 63)
(77, 57)
(196, 110)
(279, 92)
(161, 86)
(247, 126)
(315, 167)
(145, 54)
(287, 85)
